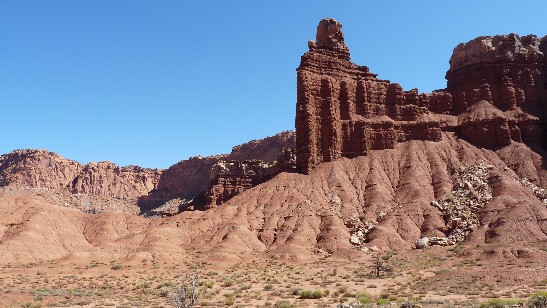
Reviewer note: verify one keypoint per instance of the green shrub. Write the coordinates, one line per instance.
(244, 286)
(538, 294)
(228, 282)
(499, 303)
(283, 304)
(363, 298)
(309, 294)
(206, 284)
(165, 283)
(164, 292)
(537, 300)
(382, 301)
(296, 291)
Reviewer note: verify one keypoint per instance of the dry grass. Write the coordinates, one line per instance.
(433, 278)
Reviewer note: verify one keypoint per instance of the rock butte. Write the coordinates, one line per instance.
(497, 92)
(376, 167)
(134, 189)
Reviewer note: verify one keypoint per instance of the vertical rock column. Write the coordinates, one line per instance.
(307, 127)
(331, 132)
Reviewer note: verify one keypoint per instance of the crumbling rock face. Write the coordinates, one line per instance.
(107, 179)
(470, 193)
(507, 70)
(230, 178)
(37, 169)
(47, 171)
(343, 110)
(190, 177)
(266, 149)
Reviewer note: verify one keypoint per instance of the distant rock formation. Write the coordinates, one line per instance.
(107, 179)
(37, 169)
(266, 149)
(103, 186)
(188, 178)
(343, 110)
(230, 178)
(40, 169)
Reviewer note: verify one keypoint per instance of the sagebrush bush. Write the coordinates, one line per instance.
(537, 300)
(499, 303)
(309, 294)
(363, 298)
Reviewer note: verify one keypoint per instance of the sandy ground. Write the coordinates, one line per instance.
(457, 276)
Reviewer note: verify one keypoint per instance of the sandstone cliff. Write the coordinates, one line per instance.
(385, 168)
(103, 186)
(190, 177)
(38, 169)
(343, 110)
(107, 179)
(104, 181)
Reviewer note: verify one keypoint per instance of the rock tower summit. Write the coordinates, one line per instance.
(330, 37)
(343, 110)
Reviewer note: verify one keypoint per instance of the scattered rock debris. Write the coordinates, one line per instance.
(539, 192)
(470, 193)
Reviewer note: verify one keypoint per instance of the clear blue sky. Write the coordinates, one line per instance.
(154, 82)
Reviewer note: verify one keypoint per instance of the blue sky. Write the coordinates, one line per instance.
(154, 82)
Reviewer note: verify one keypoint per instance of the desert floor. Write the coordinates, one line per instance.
(443, 277)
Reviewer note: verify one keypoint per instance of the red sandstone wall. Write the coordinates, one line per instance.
(343, 110)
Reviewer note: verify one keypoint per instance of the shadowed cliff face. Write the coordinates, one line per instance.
(343, 110)
(508, 71)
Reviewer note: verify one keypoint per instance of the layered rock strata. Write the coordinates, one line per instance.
(103, 186)
(230, 178)
(111, 187)
(344, 110)
(508, 71)
(188, 178)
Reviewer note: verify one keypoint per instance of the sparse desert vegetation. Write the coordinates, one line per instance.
(438, 278)
(379, 197)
